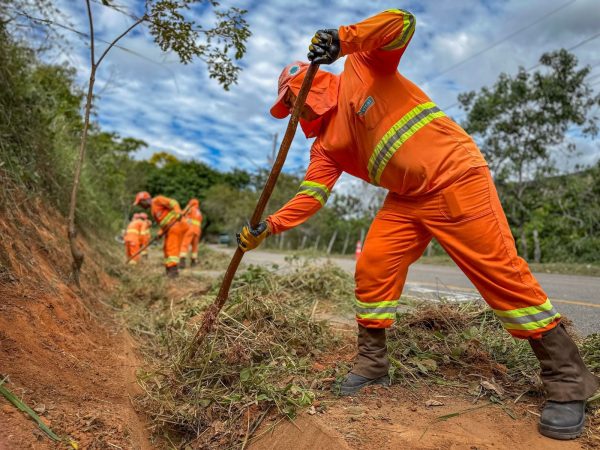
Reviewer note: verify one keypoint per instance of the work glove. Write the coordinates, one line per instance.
(324, 47)
(250, 238)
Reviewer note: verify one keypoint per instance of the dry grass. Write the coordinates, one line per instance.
(261, 358)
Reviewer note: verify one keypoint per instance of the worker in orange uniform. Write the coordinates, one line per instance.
(132, 238)
(193, 217)
(372, 122)
(167, 213)
(146, 234)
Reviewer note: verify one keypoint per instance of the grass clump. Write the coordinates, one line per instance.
(259, 359)
(462, 344)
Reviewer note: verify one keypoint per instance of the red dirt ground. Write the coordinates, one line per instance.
(59, 347)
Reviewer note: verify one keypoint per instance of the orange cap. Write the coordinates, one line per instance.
(291, 71)
(143, 195)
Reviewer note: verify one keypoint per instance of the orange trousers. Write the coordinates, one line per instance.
(467, 220)
(131, 248)
(190, 240)
(172, 244)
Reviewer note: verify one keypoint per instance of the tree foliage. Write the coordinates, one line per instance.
(522, 125)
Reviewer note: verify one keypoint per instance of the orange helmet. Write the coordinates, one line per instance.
(194, 202)
(143, 195)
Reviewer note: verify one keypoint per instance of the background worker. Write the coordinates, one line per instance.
(373, 123)
(167, 213)
(132, 238)
(193, 217)
(146, 234)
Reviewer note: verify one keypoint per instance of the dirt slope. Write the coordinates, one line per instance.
(59, 348)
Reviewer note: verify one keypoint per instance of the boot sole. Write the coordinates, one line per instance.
(383, 381)
(563, 434)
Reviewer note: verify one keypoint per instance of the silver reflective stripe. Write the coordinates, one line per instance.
(360, 311)
(392, 139)
(530, 318)
(315, 189)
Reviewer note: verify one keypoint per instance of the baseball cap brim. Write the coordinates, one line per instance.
(279, 110)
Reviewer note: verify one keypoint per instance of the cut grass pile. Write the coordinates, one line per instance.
(259, 359)
(262, 356)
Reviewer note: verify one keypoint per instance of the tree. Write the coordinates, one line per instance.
(522, 122)
(172, 31)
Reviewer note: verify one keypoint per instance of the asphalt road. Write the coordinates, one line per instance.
(576, 297)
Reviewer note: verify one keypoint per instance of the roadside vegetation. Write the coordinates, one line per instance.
(276, 350)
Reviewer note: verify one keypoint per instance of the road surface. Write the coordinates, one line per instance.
(576, 297)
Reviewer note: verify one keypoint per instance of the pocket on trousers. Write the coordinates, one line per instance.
(467, 198)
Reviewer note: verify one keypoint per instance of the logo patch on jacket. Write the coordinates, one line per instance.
(366, 105)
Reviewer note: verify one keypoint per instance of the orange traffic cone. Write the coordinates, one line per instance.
(358, 249)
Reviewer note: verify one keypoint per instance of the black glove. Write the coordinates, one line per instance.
(324, 47)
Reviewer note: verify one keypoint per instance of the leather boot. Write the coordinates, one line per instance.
(182, 263)
(372, 364)
(567, 381)
(194, 262)
(172, 272)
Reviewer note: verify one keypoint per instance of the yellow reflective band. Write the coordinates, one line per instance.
(529, 310)
(173, 203)
(376, 310)
(528, 318)
(316, 190)
(133, 230)
(531, 325)
(170, 216)
(408, 29)
(145, 232)
(195, 255)
(194, 222)
(171, 259)
(398, 134)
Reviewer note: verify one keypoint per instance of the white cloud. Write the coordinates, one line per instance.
(179, 109)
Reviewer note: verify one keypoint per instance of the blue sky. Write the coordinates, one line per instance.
(178, 109)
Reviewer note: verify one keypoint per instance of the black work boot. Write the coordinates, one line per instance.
(371, 366)
(567, 381)
(172, 272)
(182, 263)
(194, 262)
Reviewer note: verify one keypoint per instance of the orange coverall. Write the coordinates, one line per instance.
(146, 235)
(380, 127)
(133, 240)
(166, 210)
(193, 217)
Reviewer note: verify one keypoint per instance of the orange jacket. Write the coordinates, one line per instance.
(383, 128)
(164, 210)
(193, 217)
(134, 231)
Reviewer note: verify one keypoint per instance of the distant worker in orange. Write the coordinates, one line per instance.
(167, 214)
(372, 122)
(132, 238)
(146, 234)
(193, 217)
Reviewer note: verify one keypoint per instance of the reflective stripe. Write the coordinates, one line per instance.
(172, 259)
(529, 318)
(133, 231)
(408, 29)
(165, 220)
(145, 232)
(398, 134)
(316, 190)
(194, 222)
(195, 255)
(376, 310)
